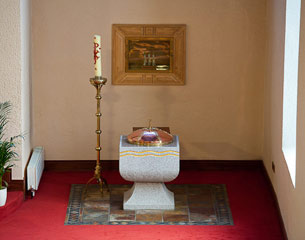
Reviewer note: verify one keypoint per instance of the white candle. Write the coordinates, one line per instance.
(97, 56)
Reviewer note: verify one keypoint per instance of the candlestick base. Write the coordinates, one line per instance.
(100, 180)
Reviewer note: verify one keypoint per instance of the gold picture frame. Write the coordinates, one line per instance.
(148, 54)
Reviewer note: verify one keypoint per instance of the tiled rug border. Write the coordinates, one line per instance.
(221, 200)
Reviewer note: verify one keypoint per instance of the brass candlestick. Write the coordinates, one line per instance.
(98, 83)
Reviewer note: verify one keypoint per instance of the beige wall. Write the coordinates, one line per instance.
(291, 199)
(14, 72)
(218, 114)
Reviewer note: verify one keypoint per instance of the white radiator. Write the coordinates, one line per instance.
(35, 169)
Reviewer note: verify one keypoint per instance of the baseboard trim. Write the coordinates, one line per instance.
(185, 165)
(13, 185)
(16, 185)
(275, 201)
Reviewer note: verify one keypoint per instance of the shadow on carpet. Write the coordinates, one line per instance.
(195, 204)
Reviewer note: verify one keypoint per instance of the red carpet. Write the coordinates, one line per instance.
(13, 202)
(251, 204)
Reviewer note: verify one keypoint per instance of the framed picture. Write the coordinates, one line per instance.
(148, 54)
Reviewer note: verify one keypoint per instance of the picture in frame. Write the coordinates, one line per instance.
(148, 54)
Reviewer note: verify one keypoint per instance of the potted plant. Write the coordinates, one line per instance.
(7, 149)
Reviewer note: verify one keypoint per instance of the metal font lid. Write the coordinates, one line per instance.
(150, 136)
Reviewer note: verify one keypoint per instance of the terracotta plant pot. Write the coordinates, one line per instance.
(3, 195)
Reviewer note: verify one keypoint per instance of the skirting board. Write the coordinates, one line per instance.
(13, 185)
(16, 185)
(275, 201)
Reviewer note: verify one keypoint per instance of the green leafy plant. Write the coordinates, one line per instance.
(7, 145)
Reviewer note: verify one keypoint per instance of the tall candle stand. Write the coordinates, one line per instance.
(98, 83)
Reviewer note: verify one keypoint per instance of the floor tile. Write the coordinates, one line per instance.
(194, 205)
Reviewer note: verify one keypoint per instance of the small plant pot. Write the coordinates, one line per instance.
(3, 196)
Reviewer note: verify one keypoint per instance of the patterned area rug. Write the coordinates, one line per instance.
(195, 204)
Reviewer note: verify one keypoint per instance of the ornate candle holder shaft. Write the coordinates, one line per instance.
(98, 83)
